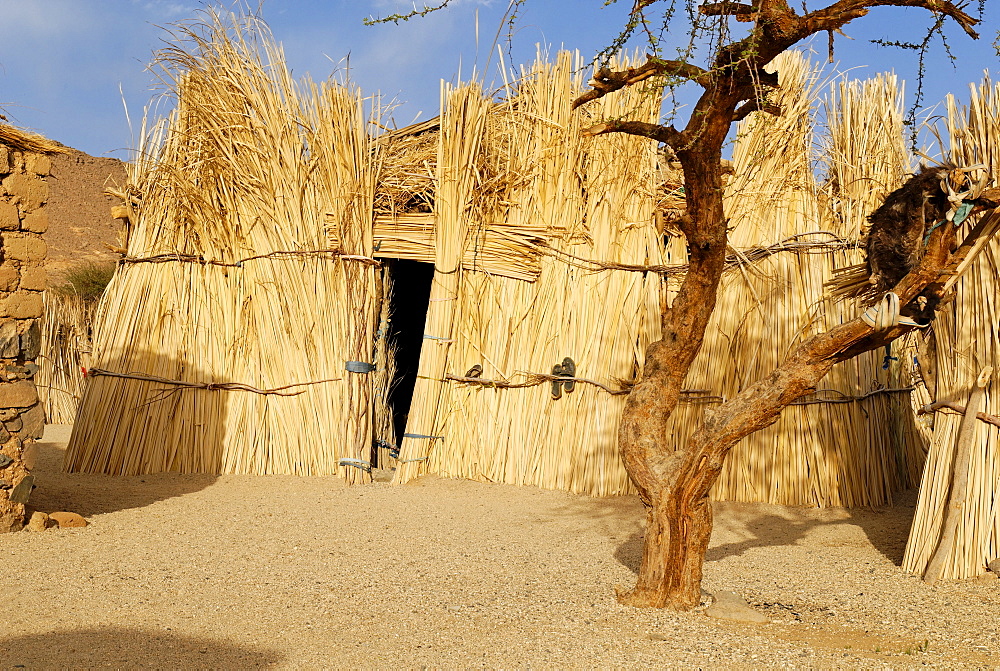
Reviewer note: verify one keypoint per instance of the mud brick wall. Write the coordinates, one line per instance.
(23, 192)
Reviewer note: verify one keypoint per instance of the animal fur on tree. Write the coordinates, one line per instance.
(674, 480)
(899, 227)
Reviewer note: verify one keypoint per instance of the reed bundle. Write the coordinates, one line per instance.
(592, 198)
(966, 342)
(21, 140)
(823, 451)
(65, 352)
(243, 170)
(497, 251)
(463, 120)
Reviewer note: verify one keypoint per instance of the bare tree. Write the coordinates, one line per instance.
(674, 480)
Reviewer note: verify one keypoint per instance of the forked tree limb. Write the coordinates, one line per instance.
(760, 404)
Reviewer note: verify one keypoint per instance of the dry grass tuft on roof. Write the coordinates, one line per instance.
(20, 140)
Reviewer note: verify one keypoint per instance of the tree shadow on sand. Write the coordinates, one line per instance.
(741, 527)
(118, 413)
(90, 494)
(120, 647)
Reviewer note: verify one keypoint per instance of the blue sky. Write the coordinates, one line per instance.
(65, 65)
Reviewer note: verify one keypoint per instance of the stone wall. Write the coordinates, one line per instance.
(23, 192)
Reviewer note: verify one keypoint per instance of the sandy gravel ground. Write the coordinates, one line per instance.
(240, 572)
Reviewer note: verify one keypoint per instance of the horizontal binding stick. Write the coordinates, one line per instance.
(194, 258)
(211, 386)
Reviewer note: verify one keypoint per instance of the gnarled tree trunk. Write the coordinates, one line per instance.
(675, 485)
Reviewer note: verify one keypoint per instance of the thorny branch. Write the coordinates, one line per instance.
(777, 27)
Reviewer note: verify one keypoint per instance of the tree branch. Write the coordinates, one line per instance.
(665, 134)
(606, 80)
(843, 12)
(756, 105)
(743, 13)
(960, 409)
(760, 404)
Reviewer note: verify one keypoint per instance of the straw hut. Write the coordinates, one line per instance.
(279, 252)
(232, 339)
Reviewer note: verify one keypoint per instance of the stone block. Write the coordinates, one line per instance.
(6, 160)
(33, 422)
(22, 490)
(15, 425)
(27, 191)
(30, 454)
(11, 516)
(9, 279)
(22, 305)
(731, 606)
(36, 222)
(39, 522)
(67, 520)
(31, 340)
(10, 220)
(33, 279)
(24, 248)
(10, 340)
(20, 394)
(39, 164)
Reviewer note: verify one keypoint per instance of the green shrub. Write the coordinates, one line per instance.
(87, 280)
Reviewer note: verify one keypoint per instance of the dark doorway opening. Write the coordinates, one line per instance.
(408, 301)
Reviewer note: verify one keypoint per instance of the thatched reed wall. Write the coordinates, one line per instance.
(589, 198)
(223, 337)
(967, 335)
(67, 330)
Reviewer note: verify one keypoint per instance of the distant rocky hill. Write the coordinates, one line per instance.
(80, 223)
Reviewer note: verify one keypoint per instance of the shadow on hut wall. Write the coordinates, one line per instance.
(120, 647)
(176, 433)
